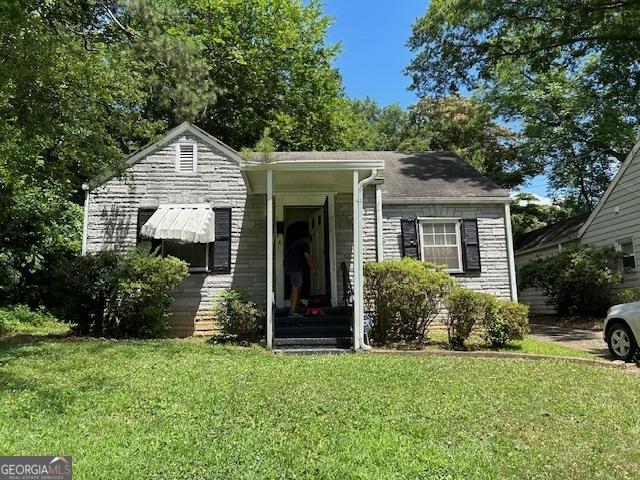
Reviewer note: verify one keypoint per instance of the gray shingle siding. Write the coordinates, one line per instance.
(494, 276)
(112, 224)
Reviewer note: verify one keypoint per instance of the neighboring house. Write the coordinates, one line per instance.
(615, 222)
(191, 196)
(543, 243)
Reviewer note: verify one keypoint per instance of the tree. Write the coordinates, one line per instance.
(564, 69)
(528, 213)
(466, 126)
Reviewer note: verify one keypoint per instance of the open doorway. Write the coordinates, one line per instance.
(300, 221)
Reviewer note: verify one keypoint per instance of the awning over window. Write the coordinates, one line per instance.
(184, 223)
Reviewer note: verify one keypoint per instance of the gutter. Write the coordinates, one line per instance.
(358, 263)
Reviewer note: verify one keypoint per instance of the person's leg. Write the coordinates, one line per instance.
(296, 287)
(295, 297)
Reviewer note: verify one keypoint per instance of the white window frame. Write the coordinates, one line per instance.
(633, 247)
(195, 157)
(204, 269)
(458, 223)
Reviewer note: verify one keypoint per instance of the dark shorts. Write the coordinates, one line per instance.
(295, 278)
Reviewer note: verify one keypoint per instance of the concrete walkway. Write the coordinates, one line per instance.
(586, 340)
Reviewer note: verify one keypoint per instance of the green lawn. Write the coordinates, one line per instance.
(184, 409)
(438, 340)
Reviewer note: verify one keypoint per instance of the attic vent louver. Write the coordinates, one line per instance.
(186, 161)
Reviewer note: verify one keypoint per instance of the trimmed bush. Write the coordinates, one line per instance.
(238, 315)
(577, 281)
(468, 309)
(144, 284)
(511, 322)
(629, 295)
(403, 298)
(119, 294)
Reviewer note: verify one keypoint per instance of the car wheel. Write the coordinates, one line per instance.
(621, 342)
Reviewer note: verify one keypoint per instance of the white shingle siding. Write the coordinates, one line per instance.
(494, 276)
(619, 217)
(112, 224)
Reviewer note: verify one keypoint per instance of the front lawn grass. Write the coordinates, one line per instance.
(530, 344)
(185, 409)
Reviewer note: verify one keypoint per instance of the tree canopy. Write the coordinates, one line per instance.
(566, 70)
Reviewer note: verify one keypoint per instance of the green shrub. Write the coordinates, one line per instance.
(21, 319)
(403, 298)
(119, 294)
(629, 295)
(238, 315)
(511, 322)
(468, 309)
(142, 302)
(577, 281)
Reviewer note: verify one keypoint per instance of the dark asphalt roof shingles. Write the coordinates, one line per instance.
(415, 175)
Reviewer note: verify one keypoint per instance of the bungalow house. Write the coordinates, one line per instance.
(231, 219)
(615, 221)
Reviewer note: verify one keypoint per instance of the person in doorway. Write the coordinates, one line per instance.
(297, 256)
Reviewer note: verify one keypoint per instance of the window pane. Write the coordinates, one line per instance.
(626, 248)
(195, 254)
(440, 244)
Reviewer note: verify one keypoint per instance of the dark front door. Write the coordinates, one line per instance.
(327, 252)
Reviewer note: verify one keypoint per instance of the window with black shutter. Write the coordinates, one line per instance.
(144, 214)
(471, 245)
(220, 253)
(409, 237)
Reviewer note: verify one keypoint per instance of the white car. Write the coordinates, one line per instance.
(622, 330)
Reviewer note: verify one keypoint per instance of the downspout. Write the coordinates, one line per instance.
(359, 266)
(85, 220)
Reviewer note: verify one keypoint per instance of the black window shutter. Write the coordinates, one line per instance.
(409, 237)
(144, 214)
(220, 249)
(471, 252)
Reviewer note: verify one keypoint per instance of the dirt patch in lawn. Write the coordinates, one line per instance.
(583, 323)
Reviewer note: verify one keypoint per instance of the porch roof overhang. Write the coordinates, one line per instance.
(306, 175)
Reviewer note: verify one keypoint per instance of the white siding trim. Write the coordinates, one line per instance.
(379, 240)
(85, 220)
(510, 257)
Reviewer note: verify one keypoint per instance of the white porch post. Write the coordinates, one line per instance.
(357, 313)
(269, 259)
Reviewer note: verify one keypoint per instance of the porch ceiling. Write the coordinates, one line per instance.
(308, 177)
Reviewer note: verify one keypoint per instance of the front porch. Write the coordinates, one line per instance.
(299, 192)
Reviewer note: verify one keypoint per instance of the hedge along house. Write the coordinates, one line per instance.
(190, 196)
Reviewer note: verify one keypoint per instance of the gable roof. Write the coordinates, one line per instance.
(558, 232)
(416, 176)
(610, 188)
(182, 129)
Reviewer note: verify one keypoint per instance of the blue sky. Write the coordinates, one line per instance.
(374, 34)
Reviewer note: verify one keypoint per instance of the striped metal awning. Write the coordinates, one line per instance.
(183, 223)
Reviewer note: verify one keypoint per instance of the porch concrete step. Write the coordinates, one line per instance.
(306, 342)
(310, 331)
(327, 320)
(313, 351)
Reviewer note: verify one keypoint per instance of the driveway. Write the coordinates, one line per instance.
(586, 340)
